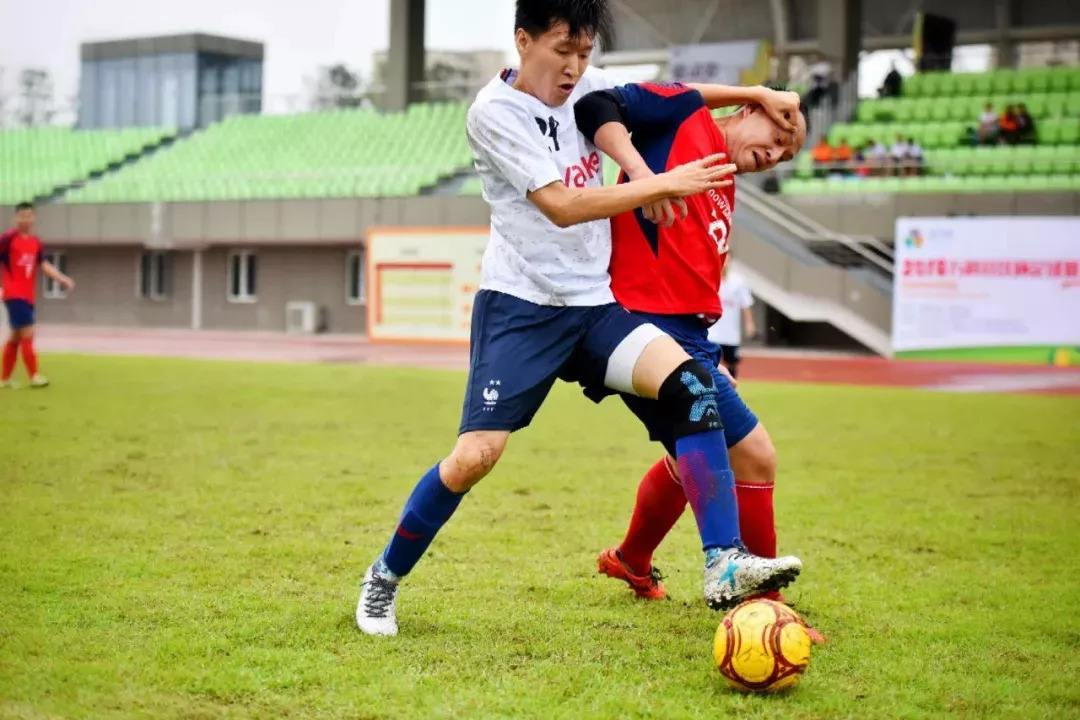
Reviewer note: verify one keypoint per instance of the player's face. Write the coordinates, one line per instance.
(755, 143)
(553, 63)
(24, 220)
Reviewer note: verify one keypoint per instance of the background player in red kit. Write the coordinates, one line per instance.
(20, 256)
(670, 272)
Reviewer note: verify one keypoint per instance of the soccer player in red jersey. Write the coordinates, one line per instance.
(20, 256)
(669, 272)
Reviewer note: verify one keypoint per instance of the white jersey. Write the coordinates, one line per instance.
(734, 298)
(519, 144)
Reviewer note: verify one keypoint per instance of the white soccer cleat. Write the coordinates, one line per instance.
(376, 611)
(8, 385)
(733, 575)
(39, 381)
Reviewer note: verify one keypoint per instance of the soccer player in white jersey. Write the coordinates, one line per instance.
(545, 310)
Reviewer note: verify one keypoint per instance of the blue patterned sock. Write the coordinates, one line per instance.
(709, 485)
(427, 509)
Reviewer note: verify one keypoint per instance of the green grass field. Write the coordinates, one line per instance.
(184, 540)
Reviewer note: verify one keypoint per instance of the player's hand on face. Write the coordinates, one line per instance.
(697, 176)
(782, 107)
(665, 212)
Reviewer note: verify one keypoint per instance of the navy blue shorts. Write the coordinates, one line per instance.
(519, 348)
(692, 334)
(20, 313)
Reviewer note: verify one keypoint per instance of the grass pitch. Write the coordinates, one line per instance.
(184, 539)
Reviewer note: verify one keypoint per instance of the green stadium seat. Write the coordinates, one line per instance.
(982, 83)
(1002, 81)
(1021, 82)
(866, 111)
(340, 153)
(1069, 133)
(1048, 131)
(1059, 81)
(1036, 105)
(946, 86)
(1055, 104)
(1039, 80)
(964, 84)
(913, 86)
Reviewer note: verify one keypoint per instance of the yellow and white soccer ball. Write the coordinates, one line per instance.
(762, 646)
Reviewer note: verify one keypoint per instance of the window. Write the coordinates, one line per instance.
(154, 275)
(242, 276)
(53, 290)
(354, 278)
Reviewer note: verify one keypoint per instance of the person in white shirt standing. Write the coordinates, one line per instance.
(545, 309)
(736, 301)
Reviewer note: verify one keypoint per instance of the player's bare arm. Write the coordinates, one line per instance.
(54, 274)
(565, 206)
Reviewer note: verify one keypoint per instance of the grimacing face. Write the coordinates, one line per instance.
(553, 63)
(755, 143)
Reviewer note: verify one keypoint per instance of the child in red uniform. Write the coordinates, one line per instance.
(20, 257)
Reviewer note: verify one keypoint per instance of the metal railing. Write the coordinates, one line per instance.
(808, 231)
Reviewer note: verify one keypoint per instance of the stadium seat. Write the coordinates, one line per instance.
(36, 162)
(337, 153)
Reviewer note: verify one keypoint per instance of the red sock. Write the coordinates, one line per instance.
(29, 356)
(11, 351)
(660, 503)
(757, 524)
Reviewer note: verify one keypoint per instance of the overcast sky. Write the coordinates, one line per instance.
(299, 36)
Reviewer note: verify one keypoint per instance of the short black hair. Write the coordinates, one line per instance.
(593, 17)
(24, 206)
(805, 111)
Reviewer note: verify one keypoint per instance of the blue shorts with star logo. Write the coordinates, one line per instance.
(518, 349)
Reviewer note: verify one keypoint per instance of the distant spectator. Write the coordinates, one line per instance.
(1025, 124)
(914, 158)
(876, 157)
(823, 157)
(971, 136)
(988, 125)
(1009, 125)
(822, 85)
(898, 153)
(843, 155)
(892, 85)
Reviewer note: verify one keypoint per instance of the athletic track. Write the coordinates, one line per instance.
(764, 364)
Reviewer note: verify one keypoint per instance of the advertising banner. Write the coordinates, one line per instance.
(421, 282)
(986, 282)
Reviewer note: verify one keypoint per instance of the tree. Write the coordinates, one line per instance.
(336, 86)
(35, 98)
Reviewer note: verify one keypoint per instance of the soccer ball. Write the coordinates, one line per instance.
(762, 646)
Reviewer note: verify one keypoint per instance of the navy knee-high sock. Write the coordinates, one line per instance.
(709, 485)
(427, 509)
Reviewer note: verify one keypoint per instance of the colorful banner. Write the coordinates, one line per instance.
(986, 282)
(421, 282)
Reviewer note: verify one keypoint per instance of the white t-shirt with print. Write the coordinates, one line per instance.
(734, 298)
(519, 144)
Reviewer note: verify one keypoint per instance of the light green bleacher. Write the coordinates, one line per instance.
(340, 153)
(937, 109)
(34, 162)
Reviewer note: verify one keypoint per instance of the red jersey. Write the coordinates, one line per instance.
(675, 270)
(20, 256)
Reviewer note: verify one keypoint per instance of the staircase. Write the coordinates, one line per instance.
(812, 274)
